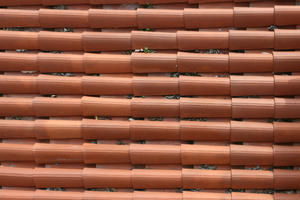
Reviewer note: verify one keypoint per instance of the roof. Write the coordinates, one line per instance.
(179, 40)
(158, 99)
(159, 18)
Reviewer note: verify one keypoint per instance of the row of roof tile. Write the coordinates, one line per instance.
(181, 40)
(137, 154)
(278, 179)
(152, 107)
(140, 195)
(152, 18)
(233, 131)
(277, 85)
(284, 61)
(96, 2)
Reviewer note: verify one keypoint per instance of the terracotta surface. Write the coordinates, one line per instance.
(181, 40)
(235, 131)
(139, 86)
(152, 154)
(253, 108)
(143, 100)
(158, 18)
(202, 107)
(194, 62)
(286, 39)
(101, 18)
(251, 40)
(285, 14)
(255, 17)
(71, 2)
(284, 179)
(148, 178)
(93, 195)
(209, 179)
(252, 179)
(279, 61)
(151, 107)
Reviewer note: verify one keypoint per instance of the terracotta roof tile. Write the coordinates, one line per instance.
(149, 178)
(181, 40)
(149, 18)
(278, 85)
(229, 120)
(148, 107)
(95, 2)
(235, 131)
(184, 154)
(93, 195)
(278, 61)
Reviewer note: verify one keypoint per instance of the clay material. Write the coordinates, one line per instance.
(153, 40)
(251, 131)
(152, 107)
(101, 18)
(195, 62)
(252, 62)
(18, 62)
(284, 61)
(59, 62)
(251, 40)
(189, 85)
(251, 179)
(204, 107)
(181, 40)
(209, 179)
(153, 62)
(105, 41)
(61, 41)
(106, 63)
(96, 2)
(252, 85)
(286, 107)
(253, 17)
(155, 86)
(19, 18)
(189, 40)
(277, 61)
(158, 18)
(139, 195)
(148, 178)
(184, 154)
(52, 18)
(235, 131)
(252, 108)
(286, 39)
(286, 15)
(285, 130)
(208, 18)
(284, 179)
(278, 85)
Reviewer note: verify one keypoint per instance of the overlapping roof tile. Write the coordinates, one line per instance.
(277, 61)
(152, 107)
(234, 131)
(149, 18)
(279, 39)
(184, 154)
(279, 179)
(93, 195)
(159, 99)
(234, 85)
(95, 2)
